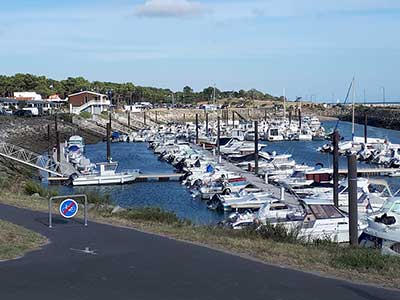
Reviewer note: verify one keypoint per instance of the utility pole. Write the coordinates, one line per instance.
(353, 207)
(335, 143)
(256, 147)
(233, 119)
(144, 118)
(129, 119)
(384, 95)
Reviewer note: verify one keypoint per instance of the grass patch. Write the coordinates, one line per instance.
(153, 214)
(364, 260)
(16, 241)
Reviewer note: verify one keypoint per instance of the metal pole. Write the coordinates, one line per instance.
(58, 146)
(227, 117)
(50, 216)
(207, 124)
(299, 118)
(256, 147)
(218, 135)
(335, 143)
(49, 141)
(85, 211)
(144, 118)
(56, 122)
(108, 134)
(233, 119)
(365, 127)
(197, 128)
(129, 119)
(353, 207)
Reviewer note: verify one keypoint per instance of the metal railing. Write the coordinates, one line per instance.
(34, 160)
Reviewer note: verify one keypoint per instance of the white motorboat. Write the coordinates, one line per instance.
(383, 231)
(76, 140)
(322, 220)
(371, 194)
(106, 175)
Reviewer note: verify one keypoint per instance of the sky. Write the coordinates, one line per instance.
(310, 48)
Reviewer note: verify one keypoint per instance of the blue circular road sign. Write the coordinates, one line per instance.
(69, 208)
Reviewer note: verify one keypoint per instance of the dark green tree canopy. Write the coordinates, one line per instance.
(121, 92)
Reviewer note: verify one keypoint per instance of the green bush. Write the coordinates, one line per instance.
(32, 187)
(85, 114)
(153, 214)
(96, 198)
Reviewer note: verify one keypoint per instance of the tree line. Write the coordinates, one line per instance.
(121, 92)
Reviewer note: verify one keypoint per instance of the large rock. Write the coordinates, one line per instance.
(118, 209)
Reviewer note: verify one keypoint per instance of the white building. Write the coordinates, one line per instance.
(27, 96)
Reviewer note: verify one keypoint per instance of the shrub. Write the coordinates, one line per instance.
(32, 187)
(96, 198)
(85, 114)
(153, 214)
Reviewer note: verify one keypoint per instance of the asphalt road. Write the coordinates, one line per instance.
(132, 265)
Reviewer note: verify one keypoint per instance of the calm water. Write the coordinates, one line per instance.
(172, 196)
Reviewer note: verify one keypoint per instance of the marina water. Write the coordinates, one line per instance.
(173, 196)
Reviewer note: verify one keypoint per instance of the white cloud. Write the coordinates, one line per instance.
(170, 9)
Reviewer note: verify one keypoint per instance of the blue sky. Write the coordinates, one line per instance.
(309, 47)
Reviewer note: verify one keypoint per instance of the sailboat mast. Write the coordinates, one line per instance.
(284, 103)
(353, 119)
(214, 94)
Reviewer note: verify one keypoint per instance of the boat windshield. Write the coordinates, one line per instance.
(389, 206)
